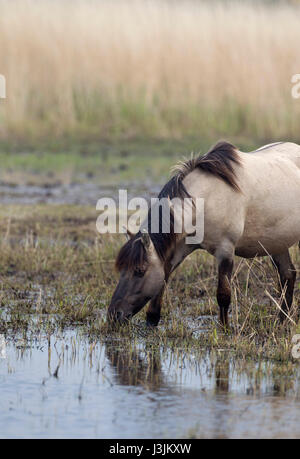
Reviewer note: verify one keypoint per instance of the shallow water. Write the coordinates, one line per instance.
(65, 386)
(81, 193)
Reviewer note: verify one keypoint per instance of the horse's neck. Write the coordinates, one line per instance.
(180, 251)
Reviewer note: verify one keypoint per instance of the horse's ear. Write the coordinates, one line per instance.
(129, 234)
(146, 240)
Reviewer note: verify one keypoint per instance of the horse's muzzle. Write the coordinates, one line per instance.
(118, 312)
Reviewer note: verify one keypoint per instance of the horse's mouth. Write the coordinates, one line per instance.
(121, 317)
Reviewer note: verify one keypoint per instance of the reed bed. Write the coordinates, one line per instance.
(127, 68)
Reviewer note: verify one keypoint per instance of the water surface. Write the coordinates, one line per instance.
(68, 387)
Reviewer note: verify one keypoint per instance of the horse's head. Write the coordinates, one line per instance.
(141, 277)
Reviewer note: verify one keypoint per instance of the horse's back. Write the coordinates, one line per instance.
(286, 151)
(273, 167)
(271, 184)
(264, 216)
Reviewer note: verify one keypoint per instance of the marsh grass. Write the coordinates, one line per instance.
(82, 71)
(56, 271)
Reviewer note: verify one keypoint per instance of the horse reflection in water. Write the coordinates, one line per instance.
(222, 376)
(136, 368)
(133, 367)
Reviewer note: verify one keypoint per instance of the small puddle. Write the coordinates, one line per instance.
(67, 387)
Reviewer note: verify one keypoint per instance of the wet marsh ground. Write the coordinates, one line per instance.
(53, 261)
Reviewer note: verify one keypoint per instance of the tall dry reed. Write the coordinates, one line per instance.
(149, 68)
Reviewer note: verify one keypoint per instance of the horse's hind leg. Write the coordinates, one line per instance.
(224, 287)
(287, 275)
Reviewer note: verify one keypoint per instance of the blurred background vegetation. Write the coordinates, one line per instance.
(145, 77)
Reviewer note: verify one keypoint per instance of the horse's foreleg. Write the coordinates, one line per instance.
(153, 312)
(287, 275)
(224, 287)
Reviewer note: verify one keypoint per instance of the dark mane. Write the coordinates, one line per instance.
(219, 161)
(133, 255)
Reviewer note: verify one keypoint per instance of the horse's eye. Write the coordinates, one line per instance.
(139, 272)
